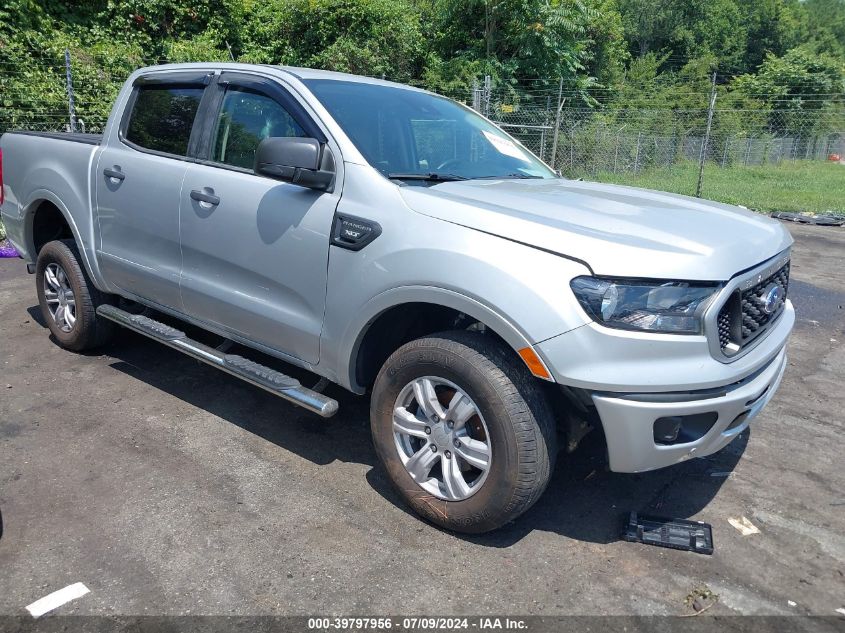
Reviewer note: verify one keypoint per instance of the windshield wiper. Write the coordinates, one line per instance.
(432, 176)
(508, 176)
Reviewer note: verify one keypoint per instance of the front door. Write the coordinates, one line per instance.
(138, 183)
(255, 250)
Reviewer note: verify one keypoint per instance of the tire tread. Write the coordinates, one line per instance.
(525, 406)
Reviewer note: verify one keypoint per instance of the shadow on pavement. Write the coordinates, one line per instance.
(583, 501)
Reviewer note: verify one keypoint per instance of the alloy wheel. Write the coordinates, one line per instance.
(441, 438)
(61, 302)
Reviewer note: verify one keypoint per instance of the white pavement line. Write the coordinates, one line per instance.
(57, 599)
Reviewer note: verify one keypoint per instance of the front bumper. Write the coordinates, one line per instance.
(629, 422)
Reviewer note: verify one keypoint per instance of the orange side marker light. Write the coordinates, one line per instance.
(530, 358)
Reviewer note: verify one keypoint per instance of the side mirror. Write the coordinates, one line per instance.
(300, 161)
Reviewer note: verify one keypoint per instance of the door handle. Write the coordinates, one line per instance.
(202, 196)
(115, 174)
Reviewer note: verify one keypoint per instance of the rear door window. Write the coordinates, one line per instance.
(162, 117)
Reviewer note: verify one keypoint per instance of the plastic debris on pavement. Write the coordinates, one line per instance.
(691, 536)
(745, 527)
(801, 218)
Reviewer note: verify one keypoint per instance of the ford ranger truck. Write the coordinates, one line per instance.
(400, 245)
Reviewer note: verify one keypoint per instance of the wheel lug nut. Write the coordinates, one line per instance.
(428, 430)
(448, 454)
(433, 448)
(450, 424)
(457, 443)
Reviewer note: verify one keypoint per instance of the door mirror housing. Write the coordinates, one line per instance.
(301, 161)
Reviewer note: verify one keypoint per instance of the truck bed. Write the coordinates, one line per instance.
(64, 163)
(76, 137)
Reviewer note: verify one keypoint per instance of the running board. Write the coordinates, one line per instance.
(268, 379)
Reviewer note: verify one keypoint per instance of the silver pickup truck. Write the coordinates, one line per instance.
(395, 242)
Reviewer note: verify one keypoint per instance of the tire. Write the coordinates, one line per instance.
(513, 419)
(85, 330)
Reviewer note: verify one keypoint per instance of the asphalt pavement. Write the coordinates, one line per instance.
(168, 487)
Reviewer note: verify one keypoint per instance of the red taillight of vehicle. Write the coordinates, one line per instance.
(1, 177)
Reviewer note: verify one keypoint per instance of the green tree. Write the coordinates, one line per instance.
(772, 27)
(369, 37)
(826, 20)
(685, 29)
(525, 39)
(797, 85)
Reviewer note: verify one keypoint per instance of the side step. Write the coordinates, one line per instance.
(268, 379)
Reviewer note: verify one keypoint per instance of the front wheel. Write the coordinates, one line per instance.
(463, 430)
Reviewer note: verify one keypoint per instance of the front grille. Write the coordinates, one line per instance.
(744, 317)
(724, 324)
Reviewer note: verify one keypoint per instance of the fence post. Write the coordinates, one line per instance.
(488, 87)
(637, 154)
(557, 123)
(703, 156)
(476, 96)
(616, 155)
(69, 83)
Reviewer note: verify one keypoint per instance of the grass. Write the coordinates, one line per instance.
(814, 186)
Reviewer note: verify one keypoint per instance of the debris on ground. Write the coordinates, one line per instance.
(809, 218)
(745, 526)
(690, 536)
(700, 599)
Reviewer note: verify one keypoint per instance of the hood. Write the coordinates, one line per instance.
(617, 231)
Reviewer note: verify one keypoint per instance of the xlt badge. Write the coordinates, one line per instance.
(353, 233)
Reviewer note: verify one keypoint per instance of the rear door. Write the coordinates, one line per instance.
(255, 250)
(138, 184)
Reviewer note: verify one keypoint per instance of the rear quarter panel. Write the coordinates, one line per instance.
(38, 169)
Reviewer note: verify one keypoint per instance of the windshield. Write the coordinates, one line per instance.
(412, 135)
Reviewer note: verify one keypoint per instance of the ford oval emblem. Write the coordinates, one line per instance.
(772, 298)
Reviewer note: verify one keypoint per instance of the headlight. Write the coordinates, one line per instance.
(673, 306)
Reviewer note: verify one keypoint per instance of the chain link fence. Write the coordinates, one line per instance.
(601, 141)
(588, 146)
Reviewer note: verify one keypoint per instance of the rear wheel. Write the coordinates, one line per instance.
(463, 430)
(68, 299)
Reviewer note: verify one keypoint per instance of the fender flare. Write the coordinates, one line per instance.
(36, 198)
(378, 305)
